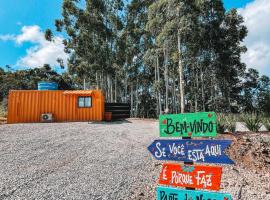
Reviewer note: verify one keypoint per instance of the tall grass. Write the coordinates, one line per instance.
(226, 122)
(3, 111)
(266, 122)
(253, 121)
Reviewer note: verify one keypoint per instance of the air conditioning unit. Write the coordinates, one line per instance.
(47, 117)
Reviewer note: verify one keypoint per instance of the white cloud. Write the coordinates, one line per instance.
(42, 52)
(7, 37)
(256, 15)
(31, 34)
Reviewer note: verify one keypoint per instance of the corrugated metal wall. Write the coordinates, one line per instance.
(28, 105)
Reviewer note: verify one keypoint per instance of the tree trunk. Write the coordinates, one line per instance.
(137, 98)
(197, 89)
(126, 87)
(111, 88)
(181, 75)
(156, 92)
(173, 97)
(202, 90)
(102, 81)
(107, 86)
(115, 90)
(131, 100)
(166, 76)
(159, 95)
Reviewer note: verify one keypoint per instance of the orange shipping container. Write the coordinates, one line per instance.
(65, 105)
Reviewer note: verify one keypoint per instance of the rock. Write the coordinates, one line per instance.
(241, 127)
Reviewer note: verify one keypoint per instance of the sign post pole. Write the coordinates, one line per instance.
(188, 163)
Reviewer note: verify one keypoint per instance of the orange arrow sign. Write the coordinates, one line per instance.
(192, 176)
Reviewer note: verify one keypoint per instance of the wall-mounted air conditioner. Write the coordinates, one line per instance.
(47, 117)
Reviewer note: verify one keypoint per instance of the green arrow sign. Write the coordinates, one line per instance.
(201, 124)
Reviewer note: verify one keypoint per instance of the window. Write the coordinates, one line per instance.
(84, 102)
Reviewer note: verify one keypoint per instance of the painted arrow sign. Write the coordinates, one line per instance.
(209, 151)
(166, 193)
(191, 176)
(201, 124)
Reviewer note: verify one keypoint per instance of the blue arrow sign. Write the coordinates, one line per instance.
(166, 193)
(209, 151)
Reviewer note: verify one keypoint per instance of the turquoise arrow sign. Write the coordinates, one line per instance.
(166, 193)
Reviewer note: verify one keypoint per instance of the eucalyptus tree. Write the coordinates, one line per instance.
(263, 97)
(172, 23)
(181, 55)
(210, 19)
(230, 68)
(92, 28)
(139, 77)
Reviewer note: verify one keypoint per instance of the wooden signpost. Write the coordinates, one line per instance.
(166, 193)
(208, 151)
(188, 125)
(191, 176)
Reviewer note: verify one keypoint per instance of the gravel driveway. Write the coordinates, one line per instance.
(91, 161)
(77, 160)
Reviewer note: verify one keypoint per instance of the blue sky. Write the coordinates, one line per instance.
(14, 14)
(235, 3)
(37, 15)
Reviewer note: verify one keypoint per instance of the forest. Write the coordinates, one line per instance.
(164, 55)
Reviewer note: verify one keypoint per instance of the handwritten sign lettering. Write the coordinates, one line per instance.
(209, 151)
(165, 193)
(192, 176)
(201, 124)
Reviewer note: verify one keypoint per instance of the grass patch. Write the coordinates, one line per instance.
(266, 122)
(226, 122)
(253, 121)
(3, 111)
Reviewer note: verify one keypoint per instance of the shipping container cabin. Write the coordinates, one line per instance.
(64, 105)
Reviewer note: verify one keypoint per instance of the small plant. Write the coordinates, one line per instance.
(3, 112)
(266, 122)
(230, 122)
(3, 108)
(226, 122)
(220, 123)
(253, 121)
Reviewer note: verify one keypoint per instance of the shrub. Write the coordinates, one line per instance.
(226, 121)
(3, 109)
(220, 123)
(266, 122)
(3, 112)
(231, 120)
(253, 121)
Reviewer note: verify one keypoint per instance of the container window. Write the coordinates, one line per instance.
(87, 102)
(84, 102)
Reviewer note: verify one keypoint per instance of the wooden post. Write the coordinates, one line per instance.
(188, 163)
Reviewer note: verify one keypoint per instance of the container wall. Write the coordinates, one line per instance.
(27, 106)
(21, 107)
(52, 102)
(95, 113)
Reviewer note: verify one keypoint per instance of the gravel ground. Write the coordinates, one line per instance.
(95, 161)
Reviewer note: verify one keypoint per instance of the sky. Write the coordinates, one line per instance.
(23, 22)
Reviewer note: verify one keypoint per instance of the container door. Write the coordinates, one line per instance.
(71, 105)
